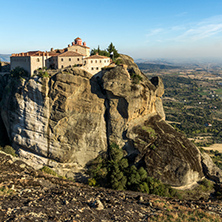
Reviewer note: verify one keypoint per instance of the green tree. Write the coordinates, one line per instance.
(111, 49)
(100, 52)
(19, 72)
(113, 171)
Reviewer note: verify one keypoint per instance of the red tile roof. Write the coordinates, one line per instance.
(70, 54)
(53, 53)
(97, 57)
(30, 53)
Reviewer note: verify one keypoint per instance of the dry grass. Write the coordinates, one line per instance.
(5, 191)
(182, 215)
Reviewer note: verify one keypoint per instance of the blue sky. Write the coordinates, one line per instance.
(141, 29)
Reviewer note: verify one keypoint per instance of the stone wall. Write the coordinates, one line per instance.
(95, 65)
(23, 62)
(80, 49)
(68, 61)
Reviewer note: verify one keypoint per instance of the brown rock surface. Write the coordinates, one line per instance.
(210, 169)
(67, 120)
(168, 155)
(55, 119)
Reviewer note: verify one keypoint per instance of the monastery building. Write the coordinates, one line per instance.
(76, 54)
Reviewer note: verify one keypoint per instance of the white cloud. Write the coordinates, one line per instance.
(189, 32)
(200, 32)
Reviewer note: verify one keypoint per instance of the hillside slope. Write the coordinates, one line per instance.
(30, 195)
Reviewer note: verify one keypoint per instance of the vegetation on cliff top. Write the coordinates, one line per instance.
(19, 72)
(111, 51)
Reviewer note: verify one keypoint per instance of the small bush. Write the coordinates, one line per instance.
(91, 182)
(19, 72)
(9, 150)
(42, 73)
(47, 170)
(118, 62)
(135, 77)
(206, 185)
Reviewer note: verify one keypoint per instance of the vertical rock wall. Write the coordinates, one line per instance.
(67, 120)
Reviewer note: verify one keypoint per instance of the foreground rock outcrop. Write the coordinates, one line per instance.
(67, 120)
(30, 195)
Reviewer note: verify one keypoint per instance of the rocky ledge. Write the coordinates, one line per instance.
(30, 195)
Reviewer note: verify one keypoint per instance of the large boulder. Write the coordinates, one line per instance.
(210, 169)
(67, 120)
(56, 119)
(167, 154)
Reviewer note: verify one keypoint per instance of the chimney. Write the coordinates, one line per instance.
(84, 43)
(73, 43)
(51, 49)
(68, 45)
(23, 54)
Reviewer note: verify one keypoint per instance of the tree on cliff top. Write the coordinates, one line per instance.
(111, 49)
(109, 52)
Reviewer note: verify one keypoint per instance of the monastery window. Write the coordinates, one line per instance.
(38, 60)
(97, 68)
(100, 61)
(62, 60)
(92, 68)
(77, 59)
(62, 66)
(91, 61)
(96, 61)
(70, 59)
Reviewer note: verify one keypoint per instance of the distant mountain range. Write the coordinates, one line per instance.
(5, 57)
(158, 64)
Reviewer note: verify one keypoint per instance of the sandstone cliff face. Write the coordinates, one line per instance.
(56, 119)
(67, 120)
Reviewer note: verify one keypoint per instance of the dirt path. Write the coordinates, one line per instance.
(216, 146)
